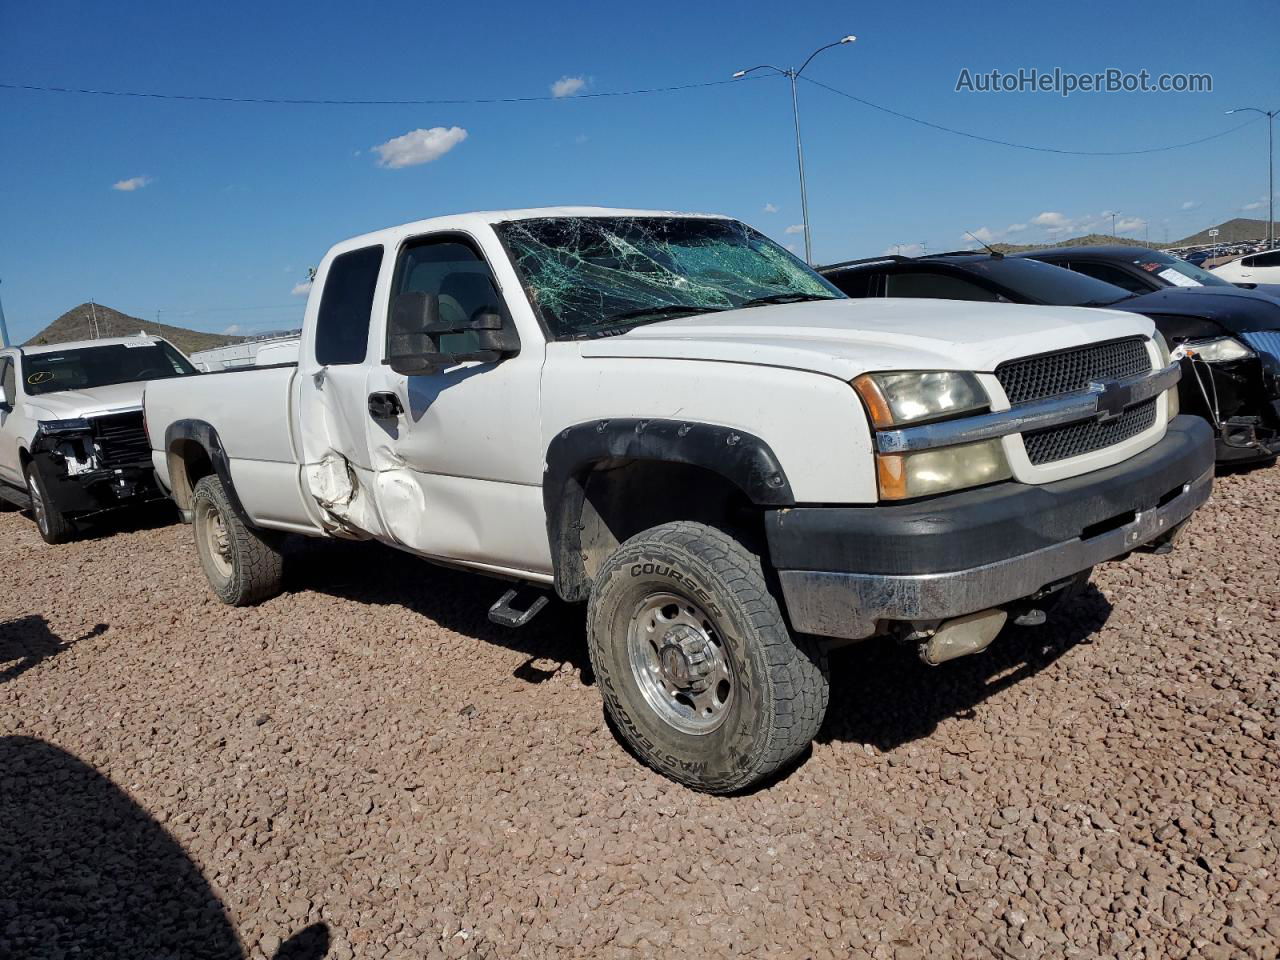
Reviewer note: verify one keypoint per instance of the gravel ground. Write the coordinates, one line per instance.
(366, 767)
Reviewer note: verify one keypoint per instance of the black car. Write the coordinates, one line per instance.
(1136, 269)
(1230, 375)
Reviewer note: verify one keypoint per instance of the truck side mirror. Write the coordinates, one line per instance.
(414, 330)
(411, 346)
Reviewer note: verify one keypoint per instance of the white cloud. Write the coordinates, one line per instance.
(301, 289)
(1190, 204)
(1050, 218)
(984, 235)
(418, 146)
(795, 228)
(133, 183)
(1015, 228)
(770, 208)
(567, 86)
(1256, 205)
(1129, 224)
(232, 330)
(904, 250)
(581, 138)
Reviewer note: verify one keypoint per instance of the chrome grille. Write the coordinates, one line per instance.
(121, 440)
(1086, 436)
(1263, 341)
(1067, 371)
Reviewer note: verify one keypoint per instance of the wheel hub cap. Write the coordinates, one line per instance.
(680, 663)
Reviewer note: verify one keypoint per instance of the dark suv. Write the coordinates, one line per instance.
(1230, 336)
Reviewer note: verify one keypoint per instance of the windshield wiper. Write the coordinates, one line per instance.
(661, 311)
(786, 298)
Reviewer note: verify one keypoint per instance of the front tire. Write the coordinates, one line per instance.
(52, 523)
(695, 662)
(242, 564)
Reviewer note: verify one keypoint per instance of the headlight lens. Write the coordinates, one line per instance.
(1163, 346)
(1175, 406)
(1217, 350)
(903, 476)
(896, 399)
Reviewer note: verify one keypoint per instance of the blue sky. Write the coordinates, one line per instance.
(232, 202)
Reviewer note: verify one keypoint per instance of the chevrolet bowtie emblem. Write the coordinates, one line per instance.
(1113, 399)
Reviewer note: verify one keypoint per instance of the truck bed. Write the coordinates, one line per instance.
(251, 411)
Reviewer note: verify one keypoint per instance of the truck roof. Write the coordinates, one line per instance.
(143, 338)
(486, 218)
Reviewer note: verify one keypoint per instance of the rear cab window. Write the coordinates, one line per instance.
(346, 307)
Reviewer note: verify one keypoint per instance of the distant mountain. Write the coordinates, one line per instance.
(1092, 240)
(78, 324)
(1233, 231)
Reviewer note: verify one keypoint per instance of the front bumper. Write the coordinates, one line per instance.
(844, 570)
(97, 490)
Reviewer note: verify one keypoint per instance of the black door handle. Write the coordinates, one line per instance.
(384, 405)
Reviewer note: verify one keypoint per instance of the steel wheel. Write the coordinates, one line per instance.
(217, 539)
(38, 509)
(680, 663)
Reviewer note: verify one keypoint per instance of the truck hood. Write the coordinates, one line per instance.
(69, 404)
(846, 338)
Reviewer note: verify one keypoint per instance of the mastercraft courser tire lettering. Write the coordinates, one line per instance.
(243, 564)
(684, 609)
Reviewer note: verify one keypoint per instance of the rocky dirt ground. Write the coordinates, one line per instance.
(365, 767)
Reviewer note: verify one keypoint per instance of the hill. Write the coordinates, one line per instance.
(77, 324)
(1233, 231)
(1091, 240)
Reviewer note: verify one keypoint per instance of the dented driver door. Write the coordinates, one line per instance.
(457, 453)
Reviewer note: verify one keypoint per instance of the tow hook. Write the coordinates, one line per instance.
(960, 637)
(504, 614)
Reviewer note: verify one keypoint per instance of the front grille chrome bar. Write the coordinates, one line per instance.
(1095, 402)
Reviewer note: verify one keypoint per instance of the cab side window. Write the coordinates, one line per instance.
(346, 307)
(8, 377)
(940, 286)
(1110, 274)
(452, 270)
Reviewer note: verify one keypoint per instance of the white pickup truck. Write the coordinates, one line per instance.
(72, 443)
(672, 418)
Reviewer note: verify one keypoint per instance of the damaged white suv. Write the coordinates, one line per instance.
(72, 443)
(672, 418)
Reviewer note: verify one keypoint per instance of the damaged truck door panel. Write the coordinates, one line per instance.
(671, 418)
(72, 442)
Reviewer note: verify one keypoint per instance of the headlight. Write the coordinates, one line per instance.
(897, 399)
(903, 476)
(1217, 350)
(64, 426)
(1162, 345)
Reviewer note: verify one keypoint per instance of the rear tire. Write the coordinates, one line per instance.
(52, 523)
(242, 564)
(694, 660)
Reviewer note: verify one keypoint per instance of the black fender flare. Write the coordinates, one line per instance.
(204, 435)
(743, 459)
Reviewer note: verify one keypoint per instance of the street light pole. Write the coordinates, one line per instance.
(793, 74)
(4, 328)
(1271, 168)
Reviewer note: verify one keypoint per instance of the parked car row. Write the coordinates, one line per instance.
(736, 462)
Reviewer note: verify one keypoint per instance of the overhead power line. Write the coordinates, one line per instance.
(1024, 146)
(409, 102)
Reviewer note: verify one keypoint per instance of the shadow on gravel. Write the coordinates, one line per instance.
(86, 872)
(882, 694)
(27, 641)
(149, 516)
(455, 599)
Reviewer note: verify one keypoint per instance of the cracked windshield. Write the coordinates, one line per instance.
(596, 276)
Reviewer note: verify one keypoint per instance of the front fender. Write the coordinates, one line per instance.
(743, 459)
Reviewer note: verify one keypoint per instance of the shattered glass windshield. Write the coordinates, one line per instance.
(597, 276)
